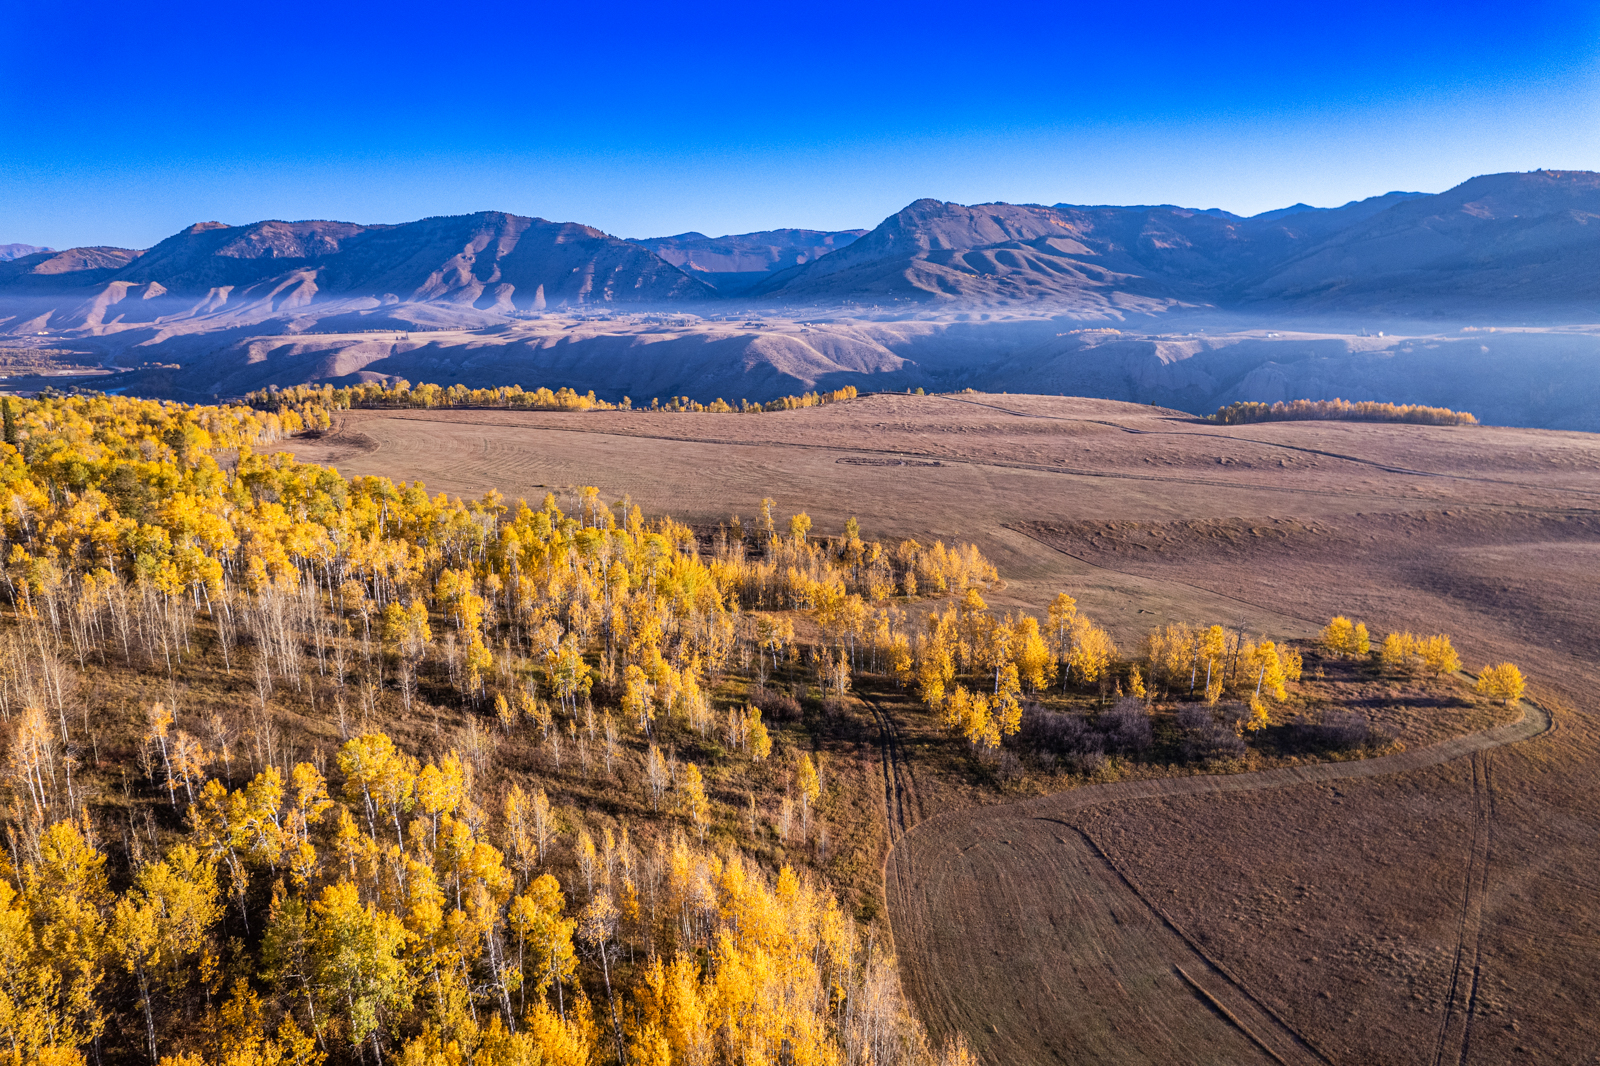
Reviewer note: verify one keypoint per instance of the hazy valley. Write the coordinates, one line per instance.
(1481, 297)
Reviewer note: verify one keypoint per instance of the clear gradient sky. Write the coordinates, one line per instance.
(123, 122)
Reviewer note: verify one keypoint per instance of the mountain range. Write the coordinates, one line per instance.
(1500, 241)
(1167, 304)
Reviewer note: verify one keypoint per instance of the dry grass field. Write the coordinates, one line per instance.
(1444, 910)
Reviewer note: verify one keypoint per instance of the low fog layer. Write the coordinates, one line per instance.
(1532, 376)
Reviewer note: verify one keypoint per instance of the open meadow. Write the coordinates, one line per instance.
(1442, 910)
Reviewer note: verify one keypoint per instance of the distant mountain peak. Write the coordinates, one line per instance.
(9, 252)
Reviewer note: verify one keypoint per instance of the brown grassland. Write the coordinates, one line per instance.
(1445, 910)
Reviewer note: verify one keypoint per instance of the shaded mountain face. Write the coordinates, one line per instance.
(487, 260)
(738, 261)
(1501, 241)
(1086, 255)
(490, 262)
(17, 251)
(75, 268)
(768, 250)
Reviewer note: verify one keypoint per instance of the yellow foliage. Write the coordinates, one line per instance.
(1503, 682)
(1438, 655)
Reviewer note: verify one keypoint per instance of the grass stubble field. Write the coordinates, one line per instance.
(1441, 907)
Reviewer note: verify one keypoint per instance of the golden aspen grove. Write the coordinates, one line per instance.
(1245, 412)
(301, 769)
(403, 394)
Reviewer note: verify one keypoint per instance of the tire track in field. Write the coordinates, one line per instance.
(1002, 464)
(1455, 1028)
(1375, 464)
(937, 870)
(901, 803)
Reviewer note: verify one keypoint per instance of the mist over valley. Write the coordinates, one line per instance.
(1480, 298)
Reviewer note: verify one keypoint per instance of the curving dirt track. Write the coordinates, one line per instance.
(1014, 927)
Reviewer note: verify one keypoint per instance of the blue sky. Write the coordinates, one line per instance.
(122, 123)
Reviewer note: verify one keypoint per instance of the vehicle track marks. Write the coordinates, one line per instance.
(1455, 1029)
(901, 804)
(925, 884)
(945, 460)
(1283, 1043)
(1358, 460)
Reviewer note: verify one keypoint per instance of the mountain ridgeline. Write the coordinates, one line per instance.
(1472, 299)
(1517, 240)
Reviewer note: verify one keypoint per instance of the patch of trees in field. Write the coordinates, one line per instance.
(402, 394)
(1245, 412)
(1191, 694)
(270, 846)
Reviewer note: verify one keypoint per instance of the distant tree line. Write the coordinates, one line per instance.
(1238, 414)
(402, 394)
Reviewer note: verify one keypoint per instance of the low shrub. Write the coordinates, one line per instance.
(1208, 735)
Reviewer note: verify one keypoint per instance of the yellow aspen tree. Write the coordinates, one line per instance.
(1438, 655)
(440, 790)
(237, 1035)
(809, 785)
(655, 776)
(1503, 682)
(638, 698)
(159, 721)
(588, 859)
(898, 658)
(597, 930)
(1092, 651)
(1004, 709)
(759, 739)
(1036, 667)
(310, 797)
(189, 761)
(365, 761)
(696, 807)
(1338, 636)
(1211, 648)
(1360, 643)
(68, 895)
(1293, 664)
(569, 1039)
(545, 951)
(359, 971)
(1258, 718)
(1398, 650)
(33, 1025)
(1059, 616)
(162, 922)
(521, 843)
(1264, 670)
